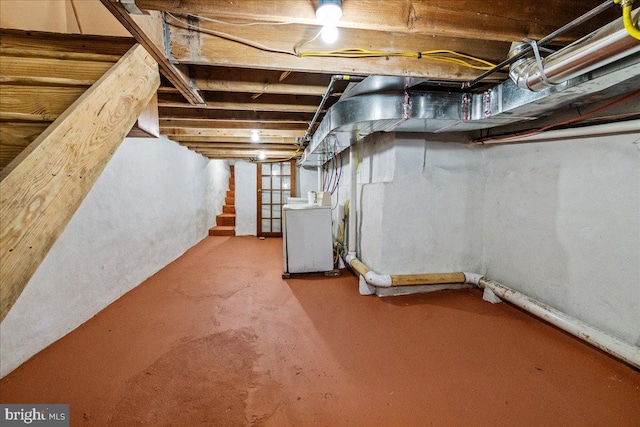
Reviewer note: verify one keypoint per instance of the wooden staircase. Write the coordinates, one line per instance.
(226, 221)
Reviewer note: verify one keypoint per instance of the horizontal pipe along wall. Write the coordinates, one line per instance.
(558, 221)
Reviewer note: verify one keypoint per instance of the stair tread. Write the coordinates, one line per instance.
(227, 215)
(222, 230)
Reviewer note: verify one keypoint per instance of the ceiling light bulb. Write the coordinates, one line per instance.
(329, 34)
(261, 155)
(329, 11)
(255, 135)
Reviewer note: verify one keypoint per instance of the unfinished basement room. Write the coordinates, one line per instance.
(320, 213)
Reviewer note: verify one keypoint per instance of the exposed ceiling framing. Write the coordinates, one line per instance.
(252, 77)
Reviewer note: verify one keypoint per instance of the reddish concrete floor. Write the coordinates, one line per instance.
(217, 338)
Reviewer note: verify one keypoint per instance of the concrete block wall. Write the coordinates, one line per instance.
(154, 200)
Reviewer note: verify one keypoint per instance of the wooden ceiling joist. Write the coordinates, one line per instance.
(246, 102)
(231, 124)
(235, 146)
(243, 116)
(179, 133)
(64, 46)
(62, 165)
(258, 87)
(44, 81)
(149, 32)
(251, 153)
(16, 136)
(39, 103)
(191, 47)
(243, 106)
(52, 67)
(234, 140)
(230, 79)
(505, 21)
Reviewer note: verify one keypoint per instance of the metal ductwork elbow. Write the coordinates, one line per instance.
(604, 46)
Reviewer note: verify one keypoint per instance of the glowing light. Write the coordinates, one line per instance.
(261, 155)
(329, 34)
(329, 11)
(255, 135)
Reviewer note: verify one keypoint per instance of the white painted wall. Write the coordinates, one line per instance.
(307, 180)
(439, 226)
(562, 224)
(154, 200)
(246, 204)
(559, 221)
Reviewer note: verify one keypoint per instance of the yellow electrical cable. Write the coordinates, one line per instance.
(283, 160)
(627, 20)
(442, 55)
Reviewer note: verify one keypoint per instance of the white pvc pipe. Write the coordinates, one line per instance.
(351, 245)
(617, 128)
(378, 280)
(600, 339)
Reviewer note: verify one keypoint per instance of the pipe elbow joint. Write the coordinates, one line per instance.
(472, 278)
(378, 280)
(350, 256)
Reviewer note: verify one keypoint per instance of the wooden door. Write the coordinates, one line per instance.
(276, 183)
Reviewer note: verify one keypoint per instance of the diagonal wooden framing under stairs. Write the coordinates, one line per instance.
(43, 185)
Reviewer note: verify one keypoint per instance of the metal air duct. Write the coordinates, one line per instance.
(392, 104)
(600, 48)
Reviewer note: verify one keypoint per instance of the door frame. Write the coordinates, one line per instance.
(292, 191)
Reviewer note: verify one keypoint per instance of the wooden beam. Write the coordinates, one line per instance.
(147, 125)
(246, 102)
(233, 140)
(231, 124)
(206, 83)
(148, 31)
(225, 133)
(193, 47)
(44, 81)
(46, 67)
(47, 103)
(246, 153)
(42, 188)
(230, 79)
(249, 158)
(15, 137)
(232, 146)
(52, 54)
(65, 46)
(226, 115)
(504, 21)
